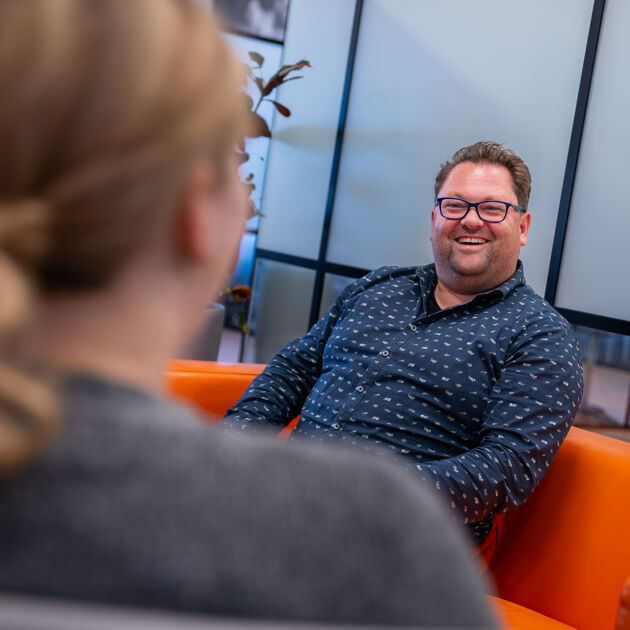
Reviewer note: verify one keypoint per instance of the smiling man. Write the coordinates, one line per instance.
(458, 367)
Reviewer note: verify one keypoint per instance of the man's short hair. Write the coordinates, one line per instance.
(491, 153)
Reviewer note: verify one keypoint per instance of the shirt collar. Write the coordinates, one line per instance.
(427, 277)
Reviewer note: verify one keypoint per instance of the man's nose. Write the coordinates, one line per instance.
(472, 220)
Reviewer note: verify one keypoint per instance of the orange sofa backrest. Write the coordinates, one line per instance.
(211, 386)
(214, 387)
(566, 551)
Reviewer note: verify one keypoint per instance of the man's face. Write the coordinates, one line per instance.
(472, 256)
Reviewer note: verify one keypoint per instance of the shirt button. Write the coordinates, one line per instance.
(336, 426)
(360, 388)
(413, 327)
(384, 353)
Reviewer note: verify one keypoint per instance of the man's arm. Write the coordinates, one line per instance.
(528, 414)
(277, 395)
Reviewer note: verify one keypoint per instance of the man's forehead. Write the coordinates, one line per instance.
(482, 176)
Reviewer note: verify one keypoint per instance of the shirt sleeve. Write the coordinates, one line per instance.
(277, 395)
(528, 414)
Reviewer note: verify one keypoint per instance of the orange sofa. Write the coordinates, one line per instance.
(563, 557)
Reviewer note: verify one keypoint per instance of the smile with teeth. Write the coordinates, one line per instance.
(471, 240)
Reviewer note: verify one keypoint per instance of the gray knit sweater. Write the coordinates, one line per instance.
(138, 502)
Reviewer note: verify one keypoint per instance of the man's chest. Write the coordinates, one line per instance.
(398, 369)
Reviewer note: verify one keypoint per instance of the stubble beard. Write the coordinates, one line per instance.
(462, 267)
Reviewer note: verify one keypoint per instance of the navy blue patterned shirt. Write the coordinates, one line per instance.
(476, 398)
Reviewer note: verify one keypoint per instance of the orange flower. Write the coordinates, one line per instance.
(240, 293)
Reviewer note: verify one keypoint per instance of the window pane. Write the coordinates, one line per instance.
(257, 147)
(281, 306)
(606, 399)
(427, 81)
(300, 155)
(333, 286)
(594, 272)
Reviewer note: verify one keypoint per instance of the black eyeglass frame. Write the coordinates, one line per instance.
(507, 205)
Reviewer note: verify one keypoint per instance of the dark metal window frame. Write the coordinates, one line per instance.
(321, 266)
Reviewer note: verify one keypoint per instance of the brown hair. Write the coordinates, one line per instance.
(105, 107)
(491, 153)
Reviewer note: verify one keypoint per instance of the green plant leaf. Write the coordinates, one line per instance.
(242, 323)
(285, 111)
(256, 58)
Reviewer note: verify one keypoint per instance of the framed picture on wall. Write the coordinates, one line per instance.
(264, 19)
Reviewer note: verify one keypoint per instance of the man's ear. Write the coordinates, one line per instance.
(524, 227)
(192, 218)
(432, 223)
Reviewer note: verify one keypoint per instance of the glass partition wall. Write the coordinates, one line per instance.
(396, 86)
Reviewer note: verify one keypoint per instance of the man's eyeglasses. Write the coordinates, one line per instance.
(489, 211)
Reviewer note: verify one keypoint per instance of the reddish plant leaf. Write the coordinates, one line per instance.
(280, 76)
(259, 84)
(257, 127)
(285, 111)
(256, 57)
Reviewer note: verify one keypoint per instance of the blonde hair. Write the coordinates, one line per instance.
(105, 107)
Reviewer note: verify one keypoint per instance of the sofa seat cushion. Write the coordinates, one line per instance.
(517, 617)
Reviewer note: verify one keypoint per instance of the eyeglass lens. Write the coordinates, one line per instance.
(488, 211)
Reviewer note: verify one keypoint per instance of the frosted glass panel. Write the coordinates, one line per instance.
(333, 286)
(594, 273)
(282, 301)
(301, 150)
(606, 400)
(431, 77)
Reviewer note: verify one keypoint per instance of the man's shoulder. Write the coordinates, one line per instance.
(526, 307)
(533, 320)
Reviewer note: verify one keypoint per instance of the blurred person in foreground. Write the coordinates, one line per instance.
(120, 209)
(458, 367)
